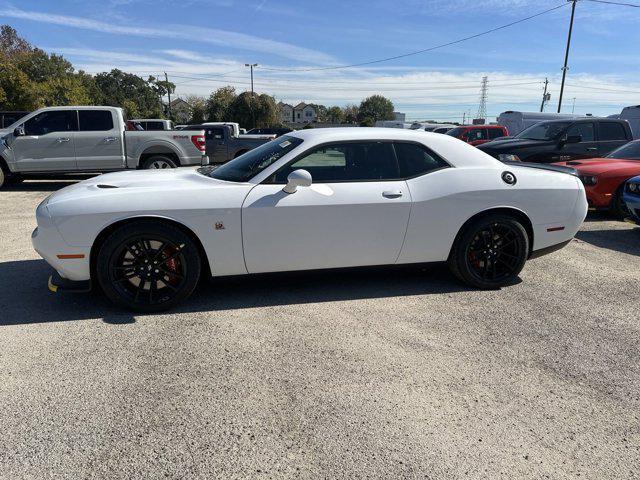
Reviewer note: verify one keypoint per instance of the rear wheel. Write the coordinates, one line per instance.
(159, 162)
(148, 266)
(490, 252)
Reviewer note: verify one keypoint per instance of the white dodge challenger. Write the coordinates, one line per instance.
(314, 199)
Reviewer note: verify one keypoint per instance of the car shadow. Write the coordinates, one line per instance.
(25, 299)
(620, 240)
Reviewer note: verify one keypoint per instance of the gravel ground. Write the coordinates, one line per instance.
(382, 373)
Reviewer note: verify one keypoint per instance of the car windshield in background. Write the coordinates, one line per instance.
(456, 132)
(247, 166)
(630, 151)
(543, 131)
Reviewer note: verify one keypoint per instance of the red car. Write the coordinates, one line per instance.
(478, 134)
(604, 178)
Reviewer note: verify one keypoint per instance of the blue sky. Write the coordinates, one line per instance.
(204, 44)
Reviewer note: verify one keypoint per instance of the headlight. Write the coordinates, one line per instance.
(633, 187)
(507, 157)
(589, 179)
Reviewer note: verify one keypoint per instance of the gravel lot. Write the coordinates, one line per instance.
(383, 373)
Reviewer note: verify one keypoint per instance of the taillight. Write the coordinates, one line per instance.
(198, 141)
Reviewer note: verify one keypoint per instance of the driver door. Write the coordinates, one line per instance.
(587, 148)
(48, 144)
(355, 213)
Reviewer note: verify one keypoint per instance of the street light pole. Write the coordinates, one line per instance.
(253, 115)
(566, 54)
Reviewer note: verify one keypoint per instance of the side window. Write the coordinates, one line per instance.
(346, 162)
(585, 130)
(51, 121)
(154, 126)
(214, 134)
(611, 131)
(95, 120)
(495, 133)
(416, 160)
(476, 134)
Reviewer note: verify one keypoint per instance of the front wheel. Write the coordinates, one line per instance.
(618, 208)
(490, 252)
(148, 266)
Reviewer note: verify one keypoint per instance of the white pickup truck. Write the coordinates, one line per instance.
(91, 139)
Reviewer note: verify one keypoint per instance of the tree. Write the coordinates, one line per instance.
(335, 115)
(121, 89)
(198, 108)
(374, 108)
(351, 113)
(219, 103)
(17, 92)
(11, 44)
(321, 112)
(264, 109)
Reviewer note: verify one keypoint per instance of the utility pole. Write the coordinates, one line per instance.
(545, 96)
(166, 79)
(463, 117)
(573, 108)
(566, 54)
(253, 114)
(482, 109)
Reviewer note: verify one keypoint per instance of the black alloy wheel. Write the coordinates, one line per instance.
(490, 252)
(148, 266)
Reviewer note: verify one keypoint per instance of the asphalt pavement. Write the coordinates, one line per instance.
(375, 373)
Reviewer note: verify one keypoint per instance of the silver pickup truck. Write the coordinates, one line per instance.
(91, 139)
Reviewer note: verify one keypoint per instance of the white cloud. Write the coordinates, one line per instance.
(225, 38)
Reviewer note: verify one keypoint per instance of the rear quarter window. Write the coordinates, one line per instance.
(95, 120)
(612, 131)
(415, 160)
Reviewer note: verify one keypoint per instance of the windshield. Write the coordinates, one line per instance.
(543, 131)
(630, 151)
(456, 132)
(247, 166)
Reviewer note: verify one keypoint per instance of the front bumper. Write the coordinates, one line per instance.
(633, 204)
(70, 262)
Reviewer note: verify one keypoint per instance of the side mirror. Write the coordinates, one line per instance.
(18, 131)
(297, 178)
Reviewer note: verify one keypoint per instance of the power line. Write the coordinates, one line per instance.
(404, 55)
(635, 5)
(603, 89)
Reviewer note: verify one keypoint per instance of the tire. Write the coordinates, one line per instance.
(2, 178)
(618, 208)
(158, 162)
(490, 252)
(148, 266)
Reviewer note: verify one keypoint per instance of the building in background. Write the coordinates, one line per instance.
(303, 113)
(181, 110)
(286, 112)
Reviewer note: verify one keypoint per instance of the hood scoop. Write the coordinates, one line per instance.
(104, 185)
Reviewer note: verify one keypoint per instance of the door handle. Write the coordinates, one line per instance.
(110, 139)
(592, 149)
(63, 139)
(392, 193)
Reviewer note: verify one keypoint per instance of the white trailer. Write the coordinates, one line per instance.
(632, 115)
(518, 121)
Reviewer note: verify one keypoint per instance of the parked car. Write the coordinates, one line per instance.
(90, 139)
(312, 199)
(277, 131)
(224, 144)
(443, 129)
(154, 123)
(632, 115)
(562, 140)
(632, 199)
(516, 122)
(478, 134)
(10, 117)
(604, 178)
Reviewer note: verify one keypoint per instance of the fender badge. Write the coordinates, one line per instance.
(509, 178)
(219, 226)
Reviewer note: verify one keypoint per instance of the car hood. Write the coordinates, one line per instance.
(169, 181)
(595, 166)
(510, 144)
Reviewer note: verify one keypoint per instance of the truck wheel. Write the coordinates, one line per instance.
(2, 177)
(158, 162)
